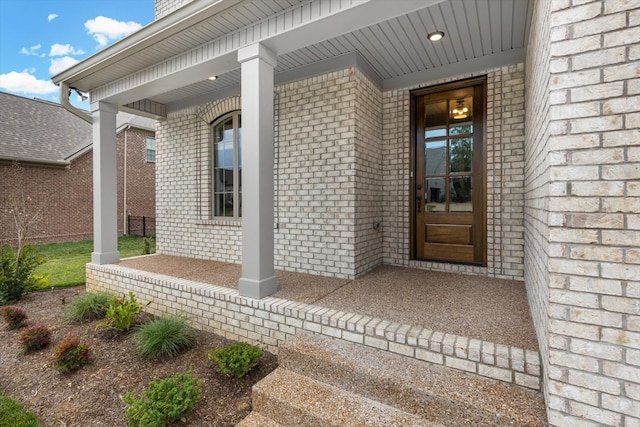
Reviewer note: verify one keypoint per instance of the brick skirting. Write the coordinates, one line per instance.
(272, 320)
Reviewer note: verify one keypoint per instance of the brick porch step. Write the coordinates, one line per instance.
(321, 381)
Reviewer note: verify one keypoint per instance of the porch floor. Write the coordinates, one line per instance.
(488, 309)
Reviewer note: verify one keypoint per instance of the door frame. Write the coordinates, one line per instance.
(478, 161)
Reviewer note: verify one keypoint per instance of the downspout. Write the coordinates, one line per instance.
(124, 189)
(64, 101)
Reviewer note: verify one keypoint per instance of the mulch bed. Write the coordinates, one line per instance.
(93, 395)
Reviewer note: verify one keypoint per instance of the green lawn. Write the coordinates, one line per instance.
(65, 262)
(13, 414)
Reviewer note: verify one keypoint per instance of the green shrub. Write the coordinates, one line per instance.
(14, 316)
(148, 245)
(88, 307)
(165, 401)
(121, 313)
(16, 272)
(14, 415)
(165, 337)
(39, 283)
(236, 359)
(71, 355)
(35, 338)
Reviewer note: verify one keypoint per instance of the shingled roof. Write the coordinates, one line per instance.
(39, 131)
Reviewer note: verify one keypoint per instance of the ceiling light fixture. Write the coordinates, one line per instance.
(212, 78)
(435, 36)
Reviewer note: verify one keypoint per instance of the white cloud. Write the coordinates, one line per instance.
(105, 29)
(61, 64)
(52, 16)
(33, 50)
(64, 49)
(25, 82)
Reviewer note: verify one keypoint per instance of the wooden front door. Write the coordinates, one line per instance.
(449, 189)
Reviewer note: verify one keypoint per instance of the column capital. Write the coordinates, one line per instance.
(103, 106)
(257, 51)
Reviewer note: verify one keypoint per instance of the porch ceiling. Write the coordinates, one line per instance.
(478, 34)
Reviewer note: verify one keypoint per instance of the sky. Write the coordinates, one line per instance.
(41, 38)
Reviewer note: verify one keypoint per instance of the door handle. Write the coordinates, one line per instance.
(419, 200)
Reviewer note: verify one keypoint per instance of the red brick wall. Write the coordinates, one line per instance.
(64, 196)
(141, 198)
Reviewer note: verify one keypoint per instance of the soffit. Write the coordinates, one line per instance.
(397, 49)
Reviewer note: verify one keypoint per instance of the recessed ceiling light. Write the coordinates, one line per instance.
(435, 36)
(212, 78)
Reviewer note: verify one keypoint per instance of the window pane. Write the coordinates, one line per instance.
(151, 149)
(461, 194)
(461, 128)
(225, 155)
(435, 120)
(461, 154)
(435, 196)
(435, 158)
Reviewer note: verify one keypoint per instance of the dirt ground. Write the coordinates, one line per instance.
(93, 395)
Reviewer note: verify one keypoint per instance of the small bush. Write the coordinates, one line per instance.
(16, 272)
(121, 312)
(165, 337)
(148, 245)
(71, 355)
(88, 307)
(14, 316)
(237, 358)
(35, 338)
(166, 400)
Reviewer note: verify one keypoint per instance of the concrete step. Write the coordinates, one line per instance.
(430, 392)
(254, 419)
(294, 400)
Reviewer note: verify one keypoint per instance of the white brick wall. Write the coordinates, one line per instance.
(327, 172)
(582, 267)
(536, 170)
(342, 167)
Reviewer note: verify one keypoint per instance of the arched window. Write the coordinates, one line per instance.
(227, 166)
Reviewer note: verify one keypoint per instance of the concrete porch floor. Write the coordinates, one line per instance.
(488, 309)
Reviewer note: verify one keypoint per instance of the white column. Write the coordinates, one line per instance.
(258, 279)
(105, 184)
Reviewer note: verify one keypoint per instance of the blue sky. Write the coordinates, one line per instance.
(40, 38)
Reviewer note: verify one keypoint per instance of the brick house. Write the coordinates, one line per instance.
(53, 149)
(507, 149)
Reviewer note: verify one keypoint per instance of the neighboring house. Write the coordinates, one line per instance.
(46, 166)
(307, 153)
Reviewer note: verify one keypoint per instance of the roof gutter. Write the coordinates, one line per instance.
(184, 17)
(64, 101)
(37, 162)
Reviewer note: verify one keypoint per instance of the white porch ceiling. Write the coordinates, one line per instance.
(478, 34)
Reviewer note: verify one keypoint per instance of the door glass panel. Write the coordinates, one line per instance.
(435, 157)
(460, 194)
(435, 119)
(461, 128)
(461, 155)
(435, 196)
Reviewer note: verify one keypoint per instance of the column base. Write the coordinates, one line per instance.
(102, 258)
(258, 289)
